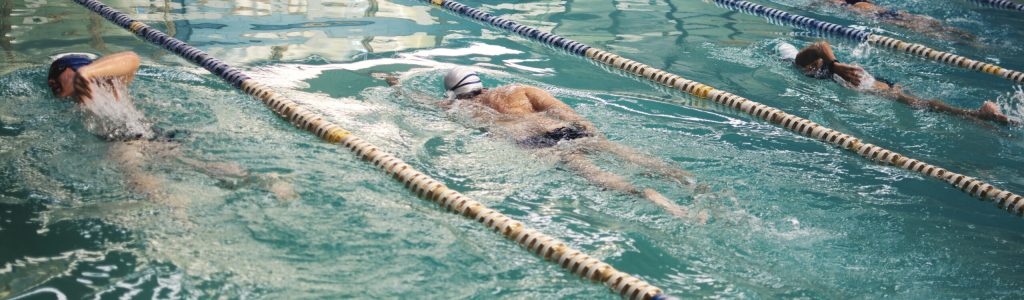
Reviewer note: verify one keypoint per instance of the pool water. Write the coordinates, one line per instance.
(790, 217)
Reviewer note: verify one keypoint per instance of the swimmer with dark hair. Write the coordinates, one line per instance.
(534, 119)
(70, 75)
(818, 61)
(919, 23)
(76, 76)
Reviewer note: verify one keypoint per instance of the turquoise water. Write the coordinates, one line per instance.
(790, 217)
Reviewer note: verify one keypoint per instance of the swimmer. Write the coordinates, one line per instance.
(535, 120)
(76, 76)
(818, 61)
(70, 75)
(919, 23)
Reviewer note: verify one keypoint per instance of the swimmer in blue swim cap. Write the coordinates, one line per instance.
(818, 61)
(76, 75)
(533, 119)
(71, 74)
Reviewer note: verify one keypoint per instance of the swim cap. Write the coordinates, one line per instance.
(73, 61)
(786, 51)
(462, 81)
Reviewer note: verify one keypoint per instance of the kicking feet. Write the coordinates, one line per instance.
(990, 111)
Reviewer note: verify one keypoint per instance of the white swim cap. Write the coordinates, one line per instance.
(786, 51)
(462, 81)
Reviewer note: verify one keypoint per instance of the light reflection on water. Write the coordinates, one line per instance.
(790, 217)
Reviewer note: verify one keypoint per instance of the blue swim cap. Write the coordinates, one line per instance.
(73, 61)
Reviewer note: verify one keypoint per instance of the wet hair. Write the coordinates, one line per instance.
(73, 61)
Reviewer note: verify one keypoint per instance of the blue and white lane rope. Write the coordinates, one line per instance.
(785, 18)
(422, 185)
(1004, 4)
(1005, 199)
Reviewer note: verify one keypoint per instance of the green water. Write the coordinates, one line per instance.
(790, 217)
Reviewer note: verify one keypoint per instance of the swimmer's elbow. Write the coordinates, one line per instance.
(132, 60)
(115, 65)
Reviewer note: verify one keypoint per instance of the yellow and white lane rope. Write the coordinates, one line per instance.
(973, 186)
(545, 246)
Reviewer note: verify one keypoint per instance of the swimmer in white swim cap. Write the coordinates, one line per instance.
(463, 83)
(533, 119)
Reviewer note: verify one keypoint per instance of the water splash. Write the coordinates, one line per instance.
(111, 113)
(867, 81)
(1012, 104)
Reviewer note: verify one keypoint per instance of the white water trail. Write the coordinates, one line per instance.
(111, 113)
(867, 82)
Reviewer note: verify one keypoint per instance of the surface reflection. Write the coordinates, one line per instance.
(240, 32)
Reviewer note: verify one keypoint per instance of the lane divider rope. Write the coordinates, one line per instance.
(422, 185)
(973, 186)
(1004, 4)
(776, 16)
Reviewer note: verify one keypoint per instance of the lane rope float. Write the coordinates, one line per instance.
(973, 186)
(545, 246)
(776, 16)
(1004, 4)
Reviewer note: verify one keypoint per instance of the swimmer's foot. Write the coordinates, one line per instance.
(676, 210)
(989, 111)
(282, 189)
(702, 188)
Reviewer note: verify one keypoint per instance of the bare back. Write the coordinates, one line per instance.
(520, 100)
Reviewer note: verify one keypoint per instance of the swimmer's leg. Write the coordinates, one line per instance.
(234, 176)
(593, 173)
(131, 161)
(634, 156)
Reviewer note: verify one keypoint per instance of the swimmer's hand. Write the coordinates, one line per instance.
(852, 74)
(82, 87)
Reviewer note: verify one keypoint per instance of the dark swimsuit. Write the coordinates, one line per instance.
(552, 138)
(159, 135)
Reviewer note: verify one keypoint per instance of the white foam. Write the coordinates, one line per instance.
(111, 112)
(867, 81)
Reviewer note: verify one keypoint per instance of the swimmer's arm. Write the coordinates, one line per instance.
(543, 101)
(851, 73)
(118, 65)
(393, 81)
(820, 50)
(121, 66)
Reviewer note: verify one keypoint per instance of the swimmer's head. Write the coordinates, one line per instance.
(463, 83)
(60, 82)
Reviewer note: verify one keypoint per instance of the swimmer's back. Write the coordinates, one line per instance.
(519, 100)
